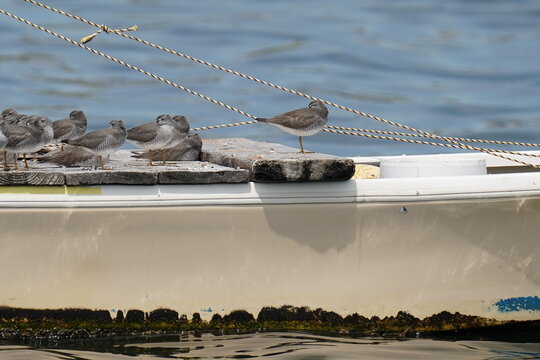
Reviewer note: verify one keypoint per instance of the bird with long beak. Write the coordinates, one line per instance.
(301, 122)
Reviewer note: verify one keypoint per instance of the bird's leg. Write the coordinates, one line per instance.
(302, 147)
(6, 166)
(150, 158)
(101, 164)
(25, 162)
(163, 160)
(15, 162)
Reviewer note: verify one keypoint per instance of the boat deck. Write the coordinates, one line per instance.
(224, 161)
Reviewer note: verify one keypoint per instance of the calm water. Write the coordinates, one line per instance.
(458, 67)
(284, 346)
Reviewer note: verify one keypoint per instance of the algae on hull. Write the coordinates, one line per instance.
(30, 325)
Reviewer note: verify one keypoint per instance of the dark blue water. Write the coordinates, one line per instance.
(280, 346)
(458, 67)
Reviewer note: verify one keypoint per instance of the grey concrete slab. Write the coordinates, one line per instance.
(269, 162)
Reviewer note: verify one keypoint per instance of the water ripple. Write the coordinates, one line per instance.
(272, 345)
(463, 67)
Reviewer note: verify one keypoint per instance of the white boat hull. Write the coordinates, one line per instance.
(375, 247)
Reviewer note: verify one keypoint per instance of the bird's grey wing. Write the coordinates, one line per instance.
(17, 135)
(175, 153)
(62, 128)
(278, 118)
(145, 132)
(189, 149)
(71, 156)
(191, 155)
(92, 139)
(295, 119)
(195, 141)
(52, 155)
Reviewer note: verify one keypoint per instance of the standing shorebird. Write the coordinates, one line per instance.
(103, 142)
(301, 122)
(27, 139)
(70, 128)
(153, 136)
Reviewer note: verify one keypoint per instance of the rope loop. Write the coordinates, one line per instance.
(105, 28)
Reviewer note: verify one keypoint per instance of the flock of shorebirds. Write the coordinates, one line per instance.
(22, 134)
(166, 138)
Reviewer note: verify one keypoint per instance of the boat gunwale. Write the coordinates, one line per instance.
(254, 197)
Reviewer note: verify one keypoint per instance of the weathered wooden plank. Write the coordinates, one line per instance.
(203, 173)
(31, 177)
(268, 162)
(110, 177)
(130, 171)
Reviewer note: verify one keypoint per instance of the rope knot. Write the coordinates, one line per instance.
(105, 28)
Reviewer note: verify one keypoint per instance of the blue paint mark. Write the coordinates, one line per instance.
(209, 310)
(527, 303)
